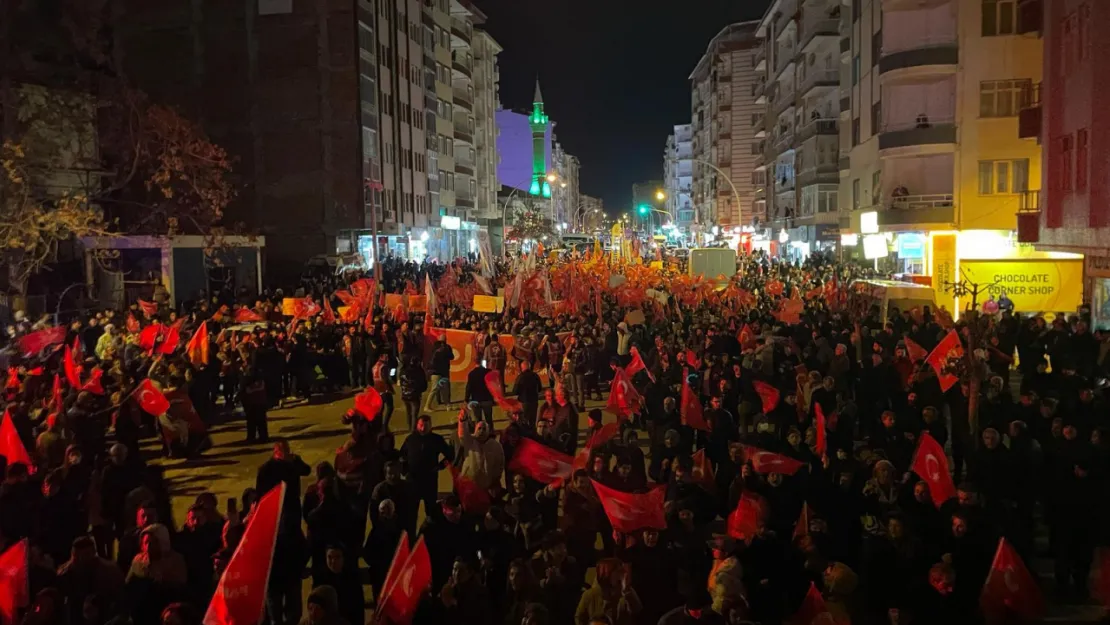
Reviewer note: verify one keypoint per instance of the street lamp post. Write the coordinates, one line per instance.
(735, 193)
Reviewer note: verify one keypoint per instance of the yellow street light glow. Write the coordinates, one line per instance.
(659, 195)
(551, 177)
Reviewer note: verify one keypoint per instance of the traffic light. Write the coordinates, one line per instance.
(643, 209)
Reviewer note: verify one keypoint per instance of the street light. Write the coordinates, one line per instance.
(660, 195)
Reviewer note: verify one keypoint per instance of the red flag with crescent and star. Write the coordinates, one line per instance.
(497, 390)
(246, 315)
(413, 578)
(822, 445)
(35, 342)
(14, 589)
(241, 592)
(764, 461)
(149, 308)
(540, 462)
(1010, 589)
(151, 399)
(630, 512)
(623, 398)
(197, 347)
(750, 513)
(637, 365)
(690, 409)
(369, 403)
(73, 374)
(475, 500)
(930, 463)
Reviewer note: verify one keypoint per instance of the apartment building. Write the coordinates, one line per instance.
(935, 169)
(1071, 211)
(678, 176)
(590, 216)
(487, 101)
(722, 108)
(797, 173)
(565, 193)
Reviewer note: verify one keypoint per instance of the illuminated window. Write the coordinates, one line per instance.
(999, 17)
(1003, 177)
(1002, 98)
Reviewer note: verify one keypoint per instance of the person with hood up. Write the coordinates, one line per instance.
(611, 596)
(157, 575)
(322, 608)
(484, 459)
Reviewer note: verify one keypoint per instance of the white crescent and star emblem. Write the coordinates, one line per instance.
(1011, 585)
(406, 582)
(932, 467)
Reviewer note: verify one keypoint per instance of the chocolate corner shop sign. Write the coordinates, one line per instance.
(1033, 285)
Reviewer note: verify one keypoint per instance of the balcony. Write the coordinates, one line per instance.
(818, 28)
(464, 167)
(845, 163)
(464, 134)
(461, 98)
(1029, 218)
(920, 60)
(461, 29)
(818, 127)
(821, 174)
(819, 78)
(919, 211)
(759, 60)
(784, 141)
(782, 101)
(1030, 114)
(923, 137)
(845, 45)
(758, 92)
(461, 63)
(910, 5)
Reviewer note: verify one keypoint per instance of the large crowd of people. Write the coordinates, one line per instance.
(838, 396)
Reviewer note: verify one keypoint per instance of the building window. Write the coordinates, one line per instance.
(1081, 161)
(855, 195)
(855, 132)
(1002, 98)
(999, 17)
(855, 70)
(877, 188)
(1003, 177)
(1065, 163)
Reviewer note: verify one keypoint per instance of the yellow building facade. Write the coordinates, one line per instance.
(932, 169)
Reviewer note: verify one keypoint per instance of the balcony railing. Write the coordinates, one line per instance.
(818, 127)
(784, 57)
(460, 96)
(461, 29)
(1029, 218)
(784, 140)
(918, 202)
(815, 77)
(924, 132)
(1029, 116)
(942, 50)
(818, 28)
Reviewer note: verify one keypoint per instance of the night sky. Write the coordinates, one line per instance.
(614, 75)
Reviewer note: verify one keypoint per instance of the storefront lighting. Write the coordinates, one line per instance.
(784, 236)
(849, 240)
(874, 246)
(424, 236)
(869, 222)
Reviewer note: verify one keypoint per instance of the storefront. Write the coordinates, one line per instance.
(910, 250)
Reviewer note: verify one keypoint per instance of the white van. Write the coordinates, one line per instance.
(887, 294)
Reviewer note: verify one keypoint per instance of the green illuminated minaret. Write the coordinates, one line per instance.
(538, 121)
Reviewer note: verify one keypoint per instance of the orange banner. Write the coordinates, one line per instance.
(467, 355)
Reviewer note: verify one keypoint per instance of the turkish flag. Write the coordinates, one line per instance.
(368, 321)
(690, 408)
(304, 308)
(630, 512)
(13, 379)
(56, 395)
(916, 352)
(949, 348)
(93, 384)
(931, 465)
(151, 399)
(702, 471)
(14, 590)
(768, 462)
(171, 338)
(241, 592)
(132, 324)
(362, 289)
(768, 394)
(691, 358)
(149, 308)
(149, 336)
(540, 462)
(73, 374)
(775, 288)
(637, 365)
(593, 441)
(430, 330)
(822, 436)
(801, 528)
(813, 606)
(246, 315)
(414, 577)
(1010, 590)
(745, 337)
(197, 347)
(35, 342)
(474, 500)
(11, 446)
(369, 404)
(329, 314)
(749, 515)
(399, 556)
(497, 389)
(623, 398)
